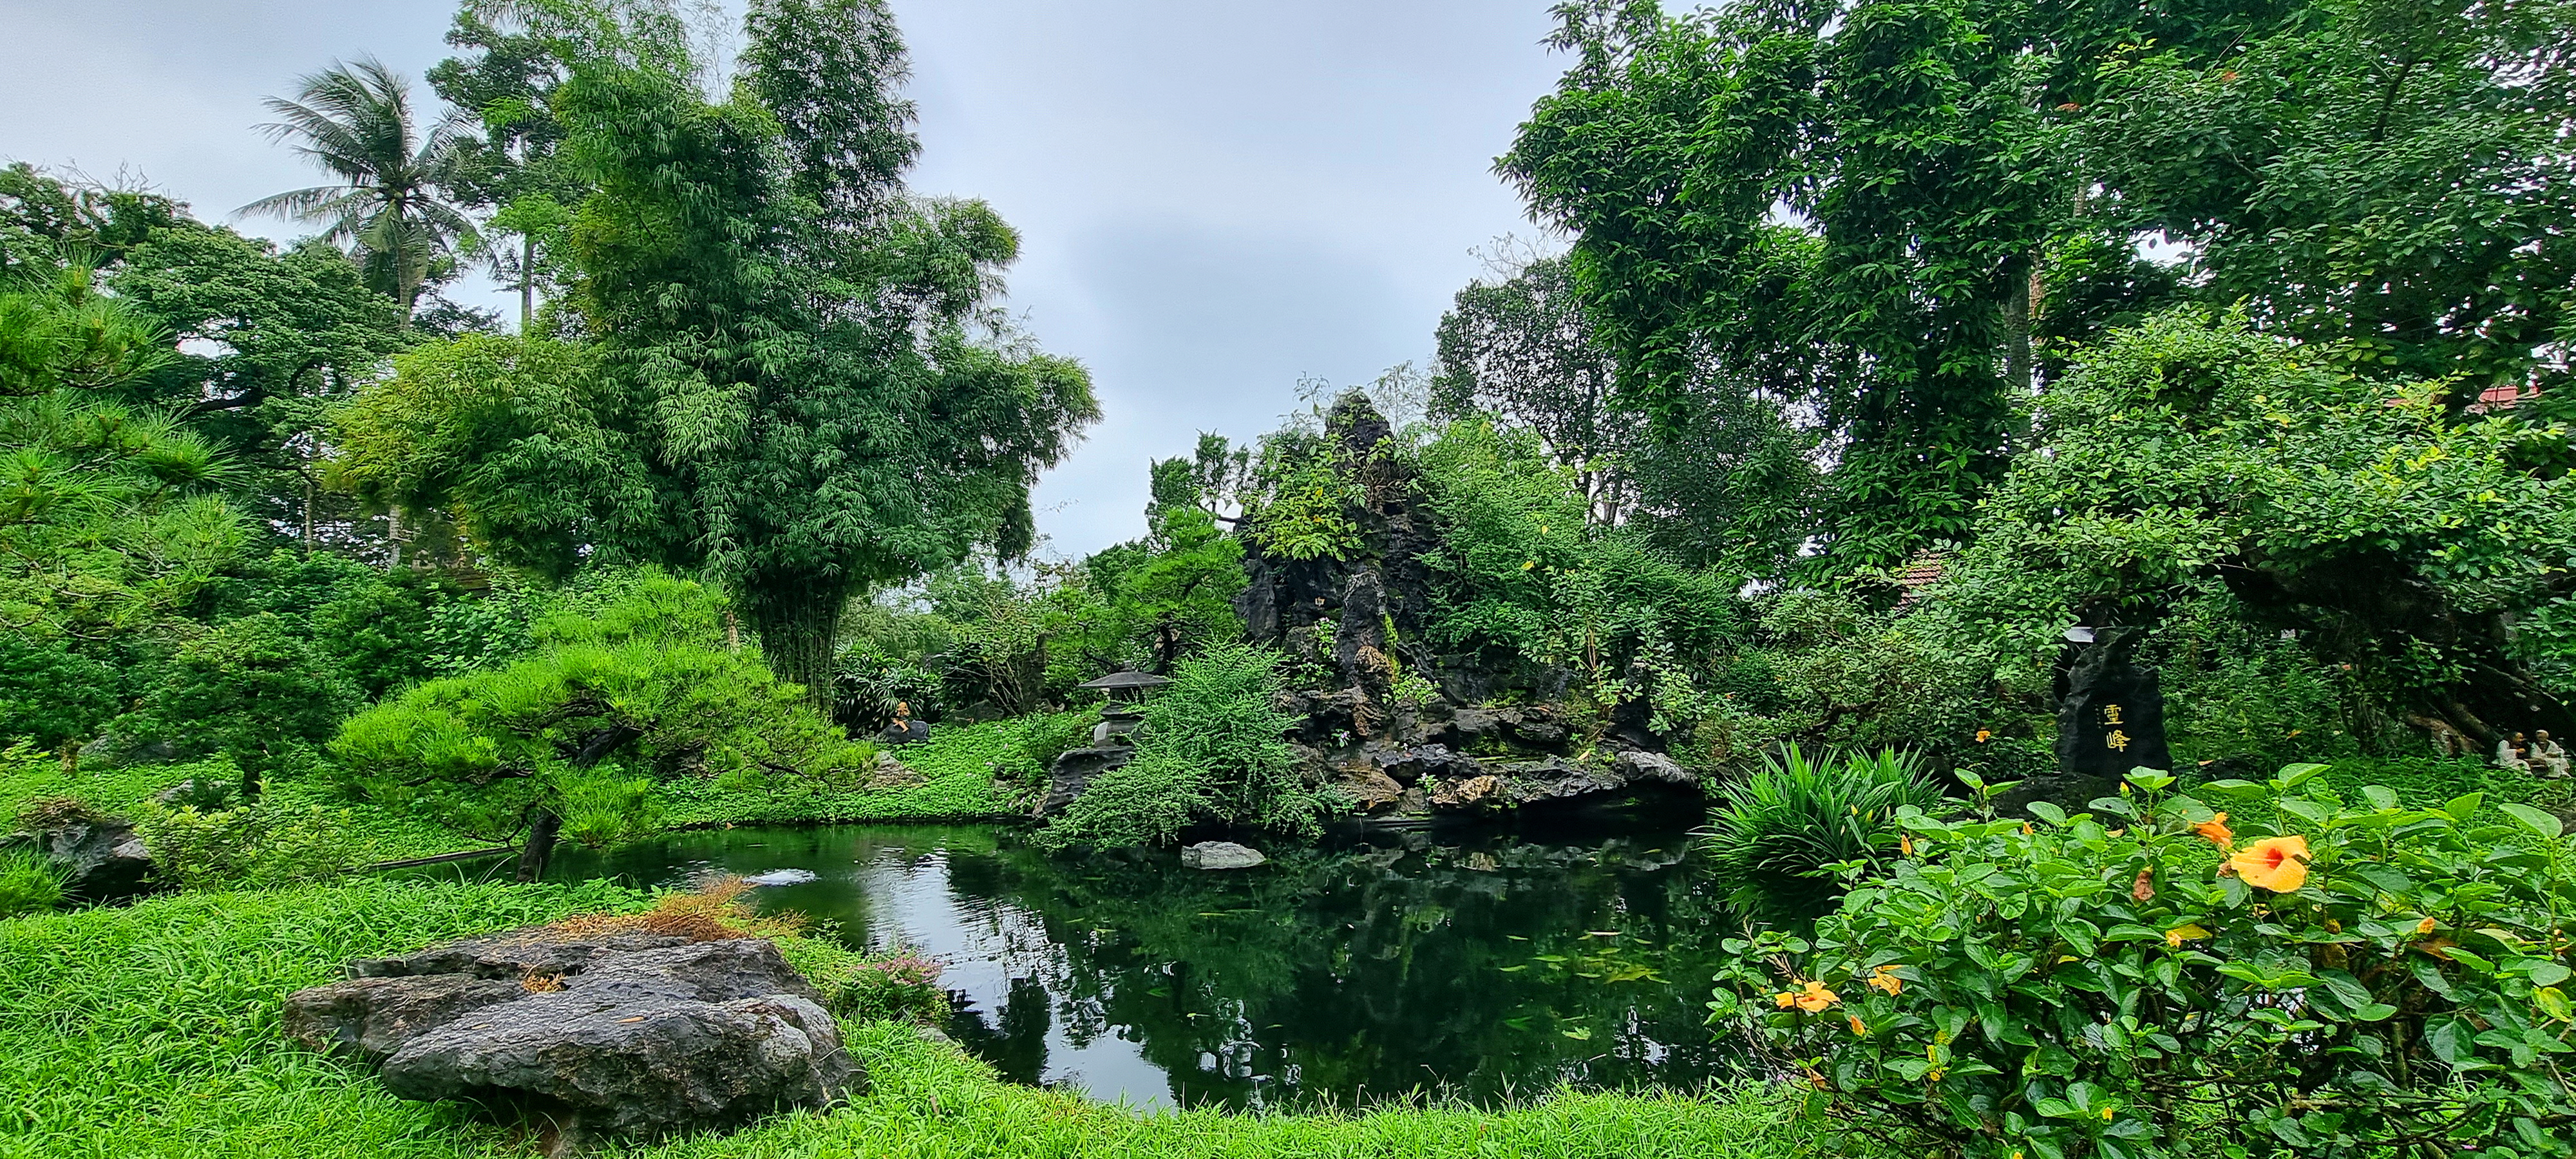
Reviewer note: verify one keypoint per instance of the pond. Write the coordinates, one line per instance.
(1477, 964)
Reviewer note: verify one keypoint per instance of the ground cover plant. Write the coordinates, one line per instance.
(2244, 970)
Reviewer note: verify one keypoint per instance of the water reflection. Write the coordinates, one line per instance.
(1477, 965)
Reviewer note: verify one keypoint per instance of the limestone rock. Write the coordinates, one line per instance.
(367, 1019)
(628, 1033)
(1221, 855)
(1652, 767)
(1073, 772)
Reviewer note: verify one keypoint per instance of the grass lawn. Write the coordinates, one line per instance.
(153, 1031)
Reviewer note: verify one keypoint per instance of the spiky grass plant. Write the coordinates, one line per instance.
(1774, 834)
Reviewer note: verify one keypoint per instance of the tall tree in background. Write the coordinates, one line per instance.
(1521, 347)
(505, 76)
(1881, 212)
(800, 385)
(355, 122)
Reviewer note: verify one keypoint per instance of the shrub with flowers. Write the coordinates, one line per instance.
(2285, 976)
(900, 984)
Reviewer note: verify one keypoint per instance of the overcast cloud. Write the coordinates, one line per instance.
(1215, 198)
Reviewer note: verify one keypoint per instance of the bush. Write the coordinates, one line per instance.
(1776, 836)
(1210, 749)
(2377, 979)
(29, 883)
(263, 844)
(899, 985)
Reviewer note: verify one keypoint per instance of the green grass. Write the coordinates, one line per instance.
(152, 1031)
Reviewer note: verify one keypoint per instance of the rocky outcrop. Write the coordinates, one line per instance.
(1074, 770)
(101, 858)
(623, 1033)
(1221, 855)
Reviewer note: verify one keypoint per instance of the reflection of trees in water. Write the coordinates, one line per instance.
(1015, 1043)
(1354, 975)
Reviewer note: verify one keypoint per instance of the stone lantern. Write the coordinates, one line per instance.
(1124, 709)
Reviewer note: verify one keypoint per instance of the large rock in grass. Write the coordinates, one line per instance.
(631, 1033)
(101, 859)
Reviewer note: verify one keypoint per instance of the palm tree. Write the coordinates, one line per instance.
(355, 122)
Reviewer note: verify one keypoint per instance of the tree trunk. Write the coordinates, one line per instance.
(540, 848)
(799, 620)
(527, 280)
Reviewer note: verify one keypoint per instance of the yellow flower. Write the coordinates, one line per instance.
(1885, 978)
(2424, 927)
(2106, 1114)
(1858, 1031)
(1785, 999)
(2216, 830)
(1984, 733)
(2190, 932)
(1529, 564)
(2279, 864)
(1905, 844)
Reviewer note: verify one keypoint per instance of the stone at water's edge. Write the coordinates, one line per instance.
(631, 1033)
(1221, 855)
(1073, 771)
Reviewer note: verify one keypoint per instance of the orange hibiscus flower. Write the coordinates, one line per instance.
(2279, 864)
(1811, 998)
(2216, 830)
(1885, 978)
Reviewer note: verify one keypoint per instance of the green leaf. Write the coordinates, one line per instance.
(2047, 812)
(2464, 806)
(2539, 821)
(2293, 776)
(2453, 1041)
(2553, 1002)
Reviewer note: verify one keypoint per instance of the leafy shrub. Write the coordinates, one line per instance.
(1210, 749)
(1044, 738)
(1776, 836)
(253, 690)
(257, 845)
(29, 883)
(899, 985)
(2375, 979)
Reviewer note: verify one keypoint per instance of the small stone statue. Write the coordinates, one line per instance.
(2509, 752)
(2547, 758)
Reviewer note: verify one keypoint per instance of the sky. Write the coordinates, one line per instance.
(1215, 198)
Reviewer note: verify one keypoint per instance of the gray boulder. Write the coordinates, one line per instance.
(367, 1019)
(1221, 855)
(101, 858)
(1646, 767)
(1073, 771)
(625, 1033)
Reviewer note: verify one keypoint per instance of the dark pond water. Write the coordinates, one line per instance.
(1478, 965)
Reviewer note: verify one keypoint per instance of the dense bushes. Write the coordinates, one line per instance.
(1210, 750)
(2284, 977)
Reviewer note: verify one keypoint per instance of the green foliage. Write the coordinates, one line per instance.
(1297, 500)
(1211, 749)
(624, 689)
(964, 772)
(2362, 977)
(386, 200)
(793, 386)
(252, 690)
(1525, 578)
(29, 883)
(1779, 839)
(899, 985)
(2192, 456)
(258, 845)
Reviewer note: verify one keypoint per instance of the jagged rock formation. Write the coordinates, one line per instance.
(627, 1033)
(1398, 760)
